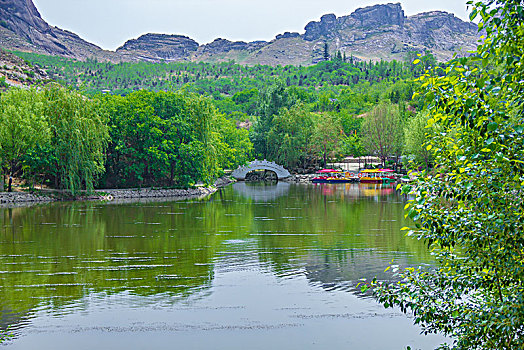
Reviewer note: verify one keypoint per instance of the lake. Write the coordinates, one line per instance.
(253, 266)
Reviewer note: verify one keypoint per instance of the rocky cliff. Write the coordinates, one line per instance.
(384, 32)
(159, 47)
(22, 28)
(374, 32)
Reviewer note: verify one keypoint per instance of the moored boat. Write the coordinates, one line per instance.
(334, 176)
(376, 176)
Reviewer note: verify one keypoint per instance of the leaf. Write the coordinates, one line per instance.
(493, 126)
(473, 14)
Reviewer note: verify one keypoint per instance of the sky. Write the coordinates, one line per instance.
(110, 23)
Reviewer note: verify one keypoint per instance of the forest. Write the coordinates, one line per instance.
(176, 124)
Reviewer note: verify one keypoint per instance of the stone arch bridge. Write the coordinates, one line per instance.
(241, 172)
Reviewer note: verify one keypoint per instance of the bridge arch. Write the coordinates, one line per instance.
(241, 172)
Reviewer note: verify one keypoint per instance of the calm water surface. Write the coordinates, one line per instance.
(252, 267)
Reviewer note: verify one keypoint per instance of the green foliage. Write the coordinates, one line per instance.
(22, 126)
(289, 135)
(3, 83)
(232, 145)
(169, 139)
(382, 131)
(270, 102)
(79, 138)
(327, 138)
(251, 96)
(469, 210)
(52, 133)
(325, 54)
(416, 134)
(352, 146)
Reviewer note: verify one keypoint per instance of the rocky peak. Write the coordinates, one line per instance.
(325, 27)
(220, 45)
(436, 20)
(12, 12)
(223, 45)
(22, 18)
(287, 35)
(379, 15)
(159, 47)
(364, 18)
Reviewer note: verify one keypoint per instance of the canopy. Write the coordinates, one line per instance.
(370, 171)
(326, 171)
(387, 170)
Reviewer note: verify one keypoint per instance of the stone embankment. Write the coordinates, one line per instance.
(106, 195)
(153, 193)
(18, 197)
(115, 194)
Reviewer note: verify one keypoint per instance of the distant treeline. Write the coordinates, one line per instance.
(227, 78)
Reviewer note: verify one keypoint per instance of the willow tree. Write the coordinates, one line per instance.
(22, 126)
(469, 209)
(382, 131)
(79, 136)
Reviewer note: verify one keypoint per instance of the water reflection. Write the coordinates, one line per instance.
(261, 191)
(247, 245)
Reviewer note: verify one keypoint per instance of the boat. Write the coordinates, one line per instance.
(332, 176)
(387, 175)
(376, 176)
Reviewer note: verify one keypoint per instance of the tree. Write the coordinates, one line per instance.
(169, 139)
(79, 137)
(22, 126)
(353, 147)
(416, 135)
(289, 136)
(469, 210)
(383, 131)
(270, 101)
(327, 136)
(232, 145)
(326, 52)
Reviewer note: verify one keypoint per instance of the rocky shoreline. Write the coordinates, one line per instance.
(106, 195)
(117, 195)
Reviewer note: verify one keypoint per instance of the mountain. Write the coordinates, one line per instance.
(374, 32)
(22, 28)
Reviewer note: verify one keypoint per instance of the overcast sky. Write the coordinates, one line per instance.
(109, 23)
